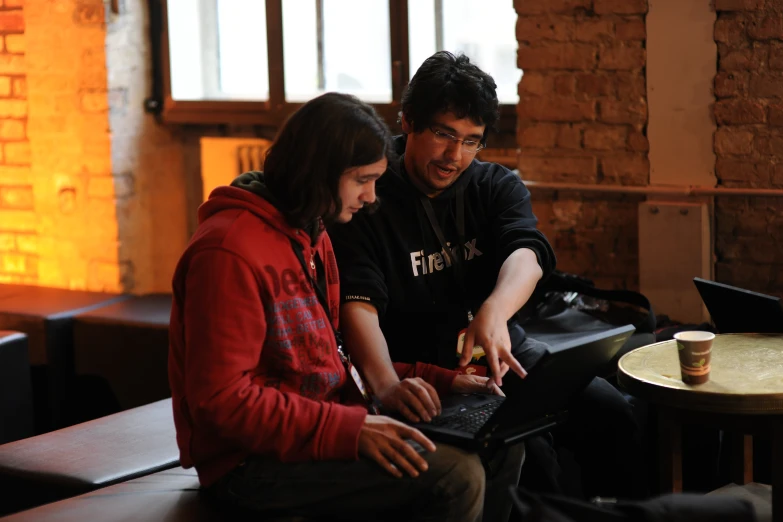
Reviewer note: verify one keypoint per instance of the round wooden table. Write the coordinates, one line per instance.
(744, 395)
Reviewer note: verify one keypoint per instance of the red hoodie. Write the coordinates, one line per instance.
(253, 362)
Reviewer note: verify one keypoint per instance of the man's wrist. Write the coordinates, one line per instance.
(493, 308)
(384, 386)
(456, 381)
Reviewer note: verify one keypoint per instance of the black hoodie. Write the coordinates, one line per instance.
(393, 258)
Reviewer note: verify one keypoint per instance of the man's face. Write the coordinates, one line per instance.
(357, 188)
(433, 161)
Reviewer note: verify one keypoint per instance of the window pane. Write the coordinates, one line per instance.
(300, 49)
(495, 51)
(421, 32)
(356, 55)
(217, 49)
(244, 69)
(184, 29)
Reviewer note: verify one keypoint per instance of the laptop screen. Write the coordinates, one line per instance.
(560, 375)
(736, 310)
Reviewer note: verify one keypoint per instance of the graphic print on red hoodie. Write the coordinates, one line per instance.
(253, 364)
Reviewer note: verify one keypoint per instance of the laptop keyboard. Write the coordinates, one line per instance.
(469, 421)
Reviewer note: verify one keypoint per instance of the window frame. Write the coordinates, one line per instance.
(273, 112)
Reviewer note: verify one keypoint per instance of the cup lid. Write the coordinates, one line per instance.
(694, 335)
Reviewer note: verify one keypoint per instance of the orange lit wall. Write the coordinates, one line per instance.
(18, 223)
(58, 224)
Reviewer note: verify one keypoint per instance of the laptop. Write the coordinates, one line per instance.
(736, 310)
(533, 405)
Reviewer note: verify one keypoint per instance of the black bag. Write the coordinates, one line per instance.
(566, 307)
(561, 291)
(678, 507)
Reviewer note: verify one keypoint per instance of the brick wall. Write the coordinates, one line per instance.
(18, 259)
(582, 119)
(92, 191)
(70, 141)
(749, 142)
(94, 194)
(57, 214)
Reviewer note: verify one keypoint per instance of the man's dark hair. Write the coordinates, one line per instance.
(318, 142)
(449, 83)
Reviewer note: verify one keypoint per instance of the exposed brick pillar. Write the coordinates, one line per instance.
(749, 142)
(582, 118)
(18, 254)
(148, 169)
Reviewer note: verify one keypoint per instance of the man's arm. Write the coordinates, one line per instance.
(367, 345)
(415, 398)
(526, 257)
(517, 279)
(516, 282)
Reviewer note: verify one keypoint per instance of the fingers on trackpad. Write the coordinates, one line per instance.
(415, 445)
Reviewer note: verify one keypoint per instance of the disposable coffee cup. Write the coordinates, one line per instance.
(695, 351)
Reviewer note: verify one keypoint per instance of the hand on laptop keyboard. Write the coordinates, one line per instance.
(475, 384)
(388, 442)
(414, 398)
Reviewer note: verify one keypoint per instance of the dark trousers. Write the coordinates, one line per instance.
(596, 452)
(456, 487)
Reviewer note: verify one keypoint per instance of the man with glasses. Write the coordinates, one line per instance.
(446, 261)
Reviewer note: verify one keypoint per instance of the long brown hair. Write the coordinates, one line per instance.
(317, 143)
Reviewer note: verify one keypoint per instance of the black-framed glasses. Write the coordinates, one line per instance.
(468, 146)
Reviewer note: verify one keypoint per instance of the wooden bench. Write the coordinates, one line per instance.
(16, 395)
(87, 456)
(45, 315)
(171, 495)
(125, 345)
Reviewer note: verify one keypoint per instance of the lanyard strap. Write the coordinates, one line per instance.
(461, 215)
(319, 285)
(453, 257)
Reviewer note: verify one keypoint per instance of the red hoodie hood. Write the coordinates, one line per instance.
(233, 197)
